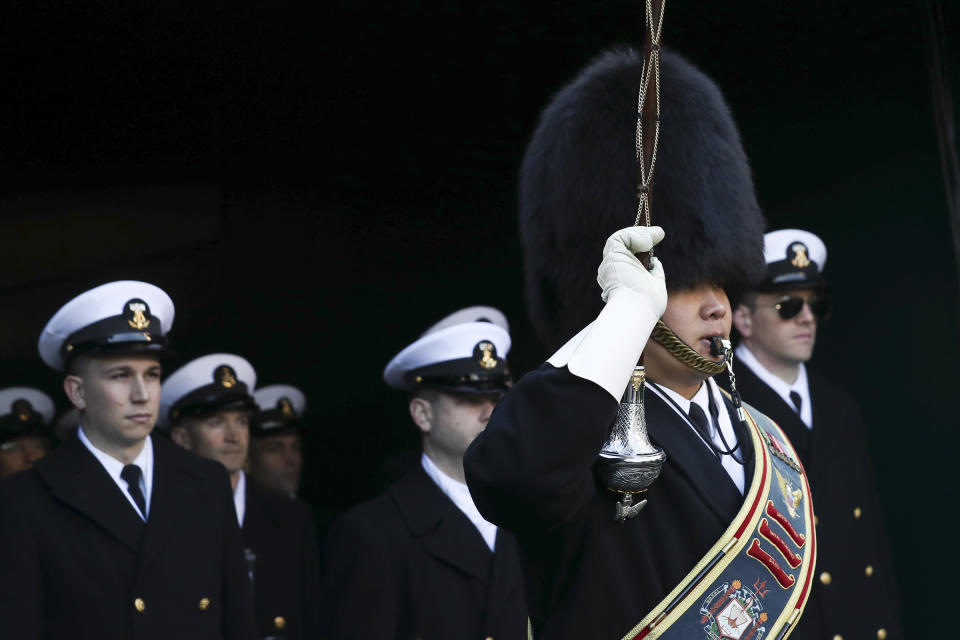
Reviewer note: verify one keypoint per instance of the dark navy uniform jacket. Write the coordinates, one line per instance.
(409, 564)
(855, 594)
(77, 562)
(279, 531)
(531, 471)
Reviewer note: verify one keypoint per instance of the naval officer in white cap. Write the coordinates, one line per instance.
(208, 405)
(117, 533)
(855, 594)
(25, 415)
(420, 560)
(276, 439)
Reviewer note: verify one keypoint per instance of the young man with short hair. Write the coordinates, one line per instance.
(855, 594)
(117, 533)
(419, 560)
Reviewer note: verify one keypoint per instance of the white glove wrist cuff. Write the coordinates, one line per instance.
(606, 350)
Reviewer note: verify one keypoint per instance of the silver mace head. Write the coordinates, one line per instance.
(629, 463)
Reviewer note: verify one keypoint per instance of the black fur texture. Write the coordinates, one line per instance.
(577, 186)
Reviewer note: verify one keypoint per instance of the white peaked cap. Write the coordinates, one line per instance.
(39, 401)
(106, 301)
(777, 244)
(449, 343)
(268, 397)
(201, 373)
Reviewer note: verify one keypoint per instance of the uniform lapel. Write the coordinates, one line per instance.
(259, 514)
(819, 444)
(692, 458)
(76, 477)
(759, 394)
(177, 495)
(253, 515)
(445, 532)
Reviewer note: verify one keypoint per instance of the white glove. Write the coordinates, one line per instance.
(621, 269)
(607, 349)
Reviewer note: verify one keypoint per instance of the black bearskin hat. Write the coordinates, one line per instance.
(578, 185)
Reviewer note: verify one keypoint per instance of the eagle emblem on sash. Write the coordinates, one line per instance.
(791, 497)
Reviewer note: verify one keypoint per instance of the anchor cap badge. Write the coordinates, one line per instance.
(136, 311)
(486, 354)
(225, 376)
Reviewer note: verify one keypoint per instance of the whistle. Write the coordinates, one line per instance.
(717, 348)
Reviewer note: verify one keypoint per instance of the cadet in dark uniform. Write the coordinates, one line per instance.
(533, 470)
(25, 415)
(208, 404)
(855, 595)
(117, 533)
(419, 561)
(276, 439)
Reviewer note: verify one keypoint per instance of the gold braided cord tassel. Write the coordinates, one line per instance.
(683, 352)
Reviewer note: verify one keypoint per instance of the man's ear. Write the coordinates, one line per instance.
(73, 386)
(743, 320)
(180, 436)
(421, 412)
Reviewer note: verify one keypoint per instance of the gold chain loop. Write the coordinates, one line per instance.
(683, 352)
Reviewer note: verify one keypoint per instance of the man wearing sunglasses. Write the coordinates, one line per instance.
(855, 594)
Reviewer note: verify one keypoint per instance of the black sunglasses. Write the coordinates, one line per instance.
(789, 306)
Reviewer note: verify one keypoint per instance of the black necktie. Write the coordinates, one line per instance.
(797, 400)
(700, 423)
(131, 474)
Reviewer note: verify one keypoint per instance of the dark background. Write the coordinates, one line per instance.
(316, 183)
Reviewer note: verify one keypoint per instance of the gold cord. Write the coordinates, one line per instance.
(683, 352)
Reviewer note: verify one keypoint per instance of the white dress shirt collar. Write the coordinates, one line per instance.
(240, 497)
(460, 495)
(702, 397)
(800, 385)
(113, 467)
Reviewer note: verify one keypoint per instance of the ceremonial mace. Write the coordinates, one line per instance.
(629, 462)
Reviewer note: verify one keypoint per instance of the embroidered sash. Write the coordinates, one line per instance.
(755, 581)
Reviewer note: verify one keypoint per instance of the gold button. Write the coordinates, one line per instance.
(881, 634)
(204, 604)
(279, 622)
(838, 637)
(139, 605)
(826, 578)
(868, 570)
(488, 638)
(857, 513)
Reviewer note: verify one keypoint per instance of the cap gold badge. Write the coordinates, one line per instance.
(23, 409)
(139, 320)
(225, 376)
(800, 259)
(286, 407)
(486, 354)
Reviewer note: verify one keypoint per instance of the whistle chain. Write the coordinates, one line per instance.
(686, 354)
